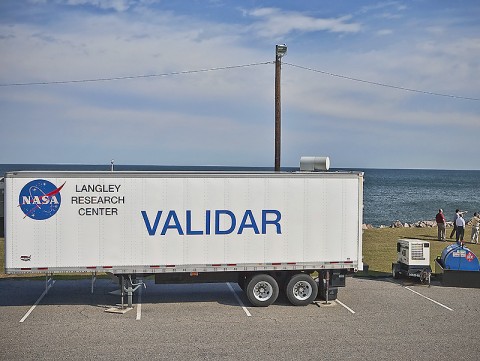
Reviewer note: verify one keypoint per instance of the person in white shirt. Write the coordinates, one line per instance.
(460, 222)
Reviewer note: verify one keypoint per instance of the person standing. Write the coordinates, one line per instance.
(440, 219)
(475, 225)
(460, 222)
(454, 222)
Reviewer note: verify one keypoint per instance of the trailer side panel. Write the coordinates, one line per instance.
(139, 222)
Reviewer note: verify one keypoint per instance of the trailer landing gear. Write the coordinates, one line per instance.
(127, 286)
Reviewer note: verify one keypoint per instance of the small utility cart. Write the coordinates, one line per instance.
(413, 260)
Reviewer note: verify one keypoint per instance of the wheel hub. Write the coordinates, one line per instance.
(302, 290)
(262, 291)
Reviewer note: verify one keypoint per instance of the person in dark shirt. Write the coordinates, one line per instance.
(460, 222)
(440, 219)
(454, 223)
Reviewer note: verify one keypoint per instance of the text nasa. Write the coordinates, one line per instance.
(216, 222)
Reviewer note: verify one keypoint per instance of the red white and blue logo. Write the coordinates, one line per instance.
(40, 199)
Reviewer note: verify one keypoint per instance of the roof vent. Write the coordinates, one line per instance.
(314, 164)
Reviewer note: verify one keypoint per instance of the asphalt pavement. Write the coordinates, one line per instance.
(373, 319)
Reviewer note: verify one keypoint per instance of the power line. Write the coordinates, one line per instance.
(381, 84)
(237, 67)
(133, 76)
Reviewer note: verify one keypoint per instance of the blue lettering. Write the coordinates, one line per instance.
(233, 221)
(176, 223)
(275, 221)
(151, 230)
(244, 224)
(225, 222)
(189, 225)
(207, 222)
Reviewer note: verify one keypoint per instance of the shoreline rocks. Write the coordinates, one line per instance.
(399, 224)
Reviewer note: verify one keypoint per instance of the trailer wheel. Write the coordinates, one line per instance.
(395, 270)
(301, 290)
(425, 276)
(262, 290)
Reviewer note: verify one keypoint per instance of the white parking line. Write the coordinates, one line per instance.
(438, 303)
(343, 305)
(238, 299)
(139, 304)
(37, 302)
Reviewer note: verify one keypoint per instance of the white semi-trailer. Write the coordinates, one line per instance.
(267, 231)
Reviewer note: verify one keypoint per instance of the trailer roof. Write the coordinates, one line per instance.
(179, 174)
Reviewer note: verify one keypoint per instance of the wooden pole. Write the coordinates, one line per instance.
(278, 111)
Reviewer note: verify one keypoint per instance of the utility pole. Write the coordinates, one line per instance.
(280, 51)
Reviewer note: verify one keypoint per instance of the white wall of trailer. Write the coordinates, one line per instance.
(321, 216)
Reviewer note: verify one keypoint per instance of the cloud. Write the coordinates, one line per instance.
(394, 5)
(384, 32)
(85, 47)
(226, 116)
(117, 5)
(274, 22)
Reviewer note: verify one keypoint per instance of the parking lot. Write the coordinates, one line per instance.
(373, 319)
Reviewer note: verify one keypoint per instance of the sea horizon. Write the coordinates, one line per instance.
(108, 165)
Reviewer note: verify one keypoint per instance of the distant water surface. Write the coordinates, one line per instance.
(413, 195)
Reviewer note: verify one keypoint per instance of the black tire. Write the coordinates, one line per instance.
(262, 290)
(425, 276)
(395, 272)
(301, 290)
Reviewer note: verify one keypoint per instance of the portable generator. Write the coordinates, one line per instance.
(413, 260)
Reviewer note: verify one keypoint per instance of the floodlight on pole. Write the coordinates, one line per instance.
(280, 51)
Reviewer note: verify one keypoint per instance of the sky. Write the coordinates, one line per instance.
(370, 84)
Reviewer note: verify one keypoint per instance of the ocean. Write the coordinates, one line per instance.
(407, 195)
(415, 195)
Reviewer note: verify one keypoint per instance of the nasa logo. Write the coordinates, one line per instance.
(40, 199)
